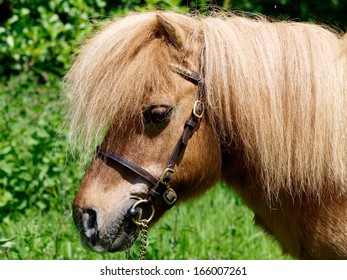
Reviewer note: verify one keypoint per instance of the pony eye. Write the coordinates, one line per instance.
(157, 114)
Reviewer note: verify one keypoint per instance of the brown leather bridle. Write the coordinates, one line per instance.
(160, 191)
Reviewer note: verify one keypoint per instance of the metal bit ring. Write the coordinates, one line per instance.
(140, 222)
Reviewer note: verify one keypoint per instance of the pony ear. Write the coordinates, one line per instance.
(173, 32)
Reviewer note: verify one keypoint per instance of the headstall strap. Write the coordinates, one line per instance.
(160, 190)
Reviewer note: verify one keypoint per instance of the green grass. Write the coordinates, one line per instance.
(216, 226)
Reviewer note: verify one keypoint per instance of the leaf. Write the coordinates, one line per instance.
(7, 167)
(26, 176)
(41, 205)
(10, 41)
(13, 19)
(5, 240)
(5, 197)
(5, 150)
(7, 245)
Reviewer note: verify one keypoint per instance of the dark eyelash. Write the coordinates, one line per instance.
(157, 114)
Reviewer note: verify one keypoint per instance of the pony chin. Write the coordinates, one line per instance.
(125, 238)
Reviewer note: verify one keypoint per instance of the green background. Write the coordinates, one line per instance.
(38, 178)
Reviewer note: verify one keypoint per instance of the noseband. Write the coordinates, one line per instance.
(160, 192)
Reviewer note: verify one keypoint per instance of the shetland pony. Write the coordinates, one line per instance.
(274, 129)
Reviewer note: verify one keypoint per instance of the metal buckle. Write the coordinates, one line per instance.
(170, 200)
(198, 104)
(163, 176)
(181, 70)
(139, 223)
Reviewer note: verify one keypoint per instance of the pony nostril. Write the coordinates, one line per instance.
(89, 222)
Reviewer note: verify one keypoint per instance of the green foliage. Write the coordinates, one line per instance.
(38, 35)
(32, 157)
(327, 12)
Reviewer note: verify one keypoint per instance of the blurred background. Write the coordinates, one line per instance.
(38, 178)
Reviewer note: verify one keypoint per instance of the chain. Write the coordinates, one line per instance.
(143, 242)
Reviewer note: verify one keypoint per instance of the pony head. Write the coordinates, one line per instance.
(124, 83)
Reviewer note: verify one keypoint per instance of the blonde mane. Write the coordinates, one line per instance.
(277, 89)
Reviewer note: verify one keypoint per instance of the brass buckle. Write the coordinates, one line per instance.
(198, 104)
(181, 70)
(139, 223)
(170, 201)
(162, 177)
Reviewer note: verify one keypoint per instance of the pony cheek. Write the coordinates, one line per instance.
(200, 168)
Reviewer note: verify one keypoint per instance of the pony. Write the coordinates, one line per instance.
(274, 127)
